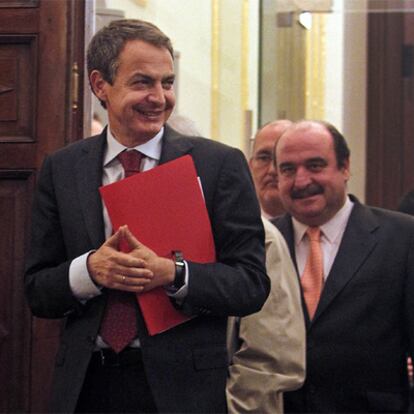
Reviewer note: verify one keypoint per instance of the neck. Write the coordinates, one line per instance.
(272, 209)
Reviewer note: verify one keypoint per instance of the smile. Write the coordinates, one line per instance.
(151, 114)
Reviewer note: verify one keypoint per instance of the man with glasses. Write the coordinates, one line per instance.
(262, 167)
(267, 349)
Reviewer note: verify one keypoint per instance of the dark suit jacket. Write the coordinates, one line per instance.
(407, 203)
(363, 328)
(186, 366)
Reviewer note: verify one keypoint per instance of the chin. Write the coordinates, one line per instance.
(150, 130)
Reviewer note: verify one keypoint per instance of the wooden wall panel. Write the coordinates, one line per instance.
(390, 104)
(384, 110)
(15, 322)
(17, 88)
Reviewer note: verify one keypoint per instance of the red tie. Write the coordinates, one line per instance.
(119, 323)
(312, 278)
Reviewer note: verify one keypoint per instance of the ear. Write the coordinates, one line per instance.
(98, 85)
(250, 162)
(346, 170)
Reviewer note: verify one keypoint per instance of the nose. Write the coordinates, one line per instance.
(271, 169)
(302, 178)
(156, 94)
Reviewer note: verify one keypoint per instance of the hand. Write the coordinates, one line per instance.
(113, 269)
(163, 269)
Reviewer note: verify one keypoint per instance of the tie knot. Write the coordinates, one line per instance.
(131, 161)
(314, 233)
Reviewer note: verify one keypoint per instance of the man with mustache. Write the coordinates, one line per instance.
(356, 268)
(107, 361)
(268, 348)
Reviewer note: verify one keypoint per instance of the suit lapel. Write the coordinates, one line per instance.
(358, 242)
(88, 170)
(284, 224)
(172, 146)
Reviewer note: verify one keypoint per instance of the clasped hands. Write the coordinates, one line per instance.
(138, 271)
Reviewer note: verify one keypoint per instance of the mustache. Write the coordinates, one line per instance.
(308, 191)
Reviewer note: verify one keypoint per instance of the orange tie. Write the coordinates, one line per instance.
(119, 324)
(312, 278)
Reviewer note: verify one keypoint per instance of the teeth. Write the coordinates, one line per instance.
(152, 114)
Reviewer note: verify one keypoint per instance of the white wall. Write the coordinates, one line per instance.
(354, 91)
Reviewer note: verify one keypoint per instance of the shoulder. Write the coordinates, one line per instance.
(199, 144)
(77, 147)
(272, 233)
(384, 223)
(407, 203)
(382, 215)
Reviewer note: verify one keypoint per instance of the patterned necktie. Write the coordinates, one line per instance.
(312, 278)
(119, 323)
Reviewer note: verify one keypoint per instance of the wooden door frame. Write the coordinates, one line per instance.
(390, 112)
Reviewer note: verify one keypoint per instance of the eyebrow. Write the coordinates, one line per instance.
(149, 76)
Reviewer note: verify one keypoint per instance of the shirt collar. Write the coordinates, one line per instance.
(151, 148)
(332, 229)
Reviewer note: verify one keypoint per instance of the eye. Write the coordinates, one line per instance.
(168, 84)
(263, 158)
(287, 170)
(316, 166)
(140, 83)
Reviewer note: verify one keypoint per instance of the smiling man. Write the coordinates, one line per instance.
(107, 362)
(356, 268)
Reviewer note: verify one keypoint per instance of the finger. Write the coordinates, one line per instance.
(126, 262)
(135, 273)
(130, 238)
(114, 240)
(131, 284)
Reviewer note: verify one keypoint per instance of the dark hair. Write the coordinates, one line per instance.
(341, 148)
(107, 44)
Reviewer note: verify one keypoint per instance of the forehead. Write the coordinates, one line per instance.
(305, 141)
(142, 55)
(268, 136)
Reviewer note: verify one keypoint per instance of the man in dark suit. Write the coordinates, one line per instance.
(74, 267)
(357, 279)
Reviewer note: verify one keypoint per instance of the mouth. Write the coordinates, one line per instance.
(272, 183)
(153, 115)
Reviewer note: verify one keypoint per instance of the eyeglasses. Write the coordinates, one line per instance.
(263, 158)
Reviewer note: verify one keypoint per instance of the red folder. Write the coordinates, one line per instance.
(165, 210)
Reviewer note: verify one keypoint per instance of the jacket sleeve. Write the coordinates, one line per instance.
(237, 283)
(270, 354)
(47, 266)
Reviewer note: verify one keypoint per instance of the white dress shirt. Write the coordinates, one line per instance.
(331, 237)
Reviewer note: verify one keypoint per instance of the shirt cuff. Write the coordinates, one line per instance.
(83, 287)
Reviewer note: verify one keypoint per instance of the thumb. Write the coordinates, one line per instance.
(130, 238)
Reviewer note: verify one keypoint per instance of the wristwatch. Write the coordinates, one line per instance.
(179, 279)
